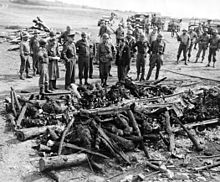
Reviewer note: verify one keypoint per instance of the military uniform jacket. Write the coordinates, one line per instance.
(119, 33)
(141, 47)
(123, 56)
(105, 52)
(82, 48)
(43, 56)
(130, 41)
(203, 39)
(69, 51)
(157, 47)
(214, 42)
(24, 48)
(34, 45)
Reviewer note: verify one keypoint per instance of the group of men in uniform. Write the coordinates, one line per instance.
(189, 38)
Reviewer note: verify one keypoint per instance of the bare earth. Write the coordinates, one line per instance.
(18, 161)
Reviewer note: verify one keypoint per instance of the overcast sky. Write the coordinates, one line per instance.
(175, 8)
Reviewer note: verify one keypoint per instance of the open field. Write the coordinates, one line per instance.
(18, 160)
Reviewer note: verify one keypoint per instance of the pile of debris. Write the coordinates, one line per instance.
(109, 122)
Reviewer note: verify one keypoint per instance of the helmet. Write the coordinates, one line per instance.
(52, 34)
(105, 35)
(205, 29)
(25, 35)
(155, 28)
(159, 36)
(184, 30)
(142, 36)
(42, 42)
(83, 34)
(214, 31)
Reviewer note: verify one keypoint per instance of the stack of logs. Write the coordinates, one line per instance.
(67, 125)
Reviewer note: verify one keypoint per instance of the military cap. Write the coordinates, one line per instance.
(52, 34)
(25, 35)
(83, 34)
(105, 35)
(205, 29)
(71, 34)
(142, 35)
(155, 28)
(184, 30)
(42, 42)
(159, 36)
(137, 25)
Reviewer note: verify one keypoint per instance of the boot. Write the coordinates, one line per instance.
(47, 90)
(34, 73)
(54, 82)
(28, 76)
(80, 81)
(86, 83)
(51, 85)
(42, 90)
(196, 60)
(214, 65)
(22, 77)
(202, 60)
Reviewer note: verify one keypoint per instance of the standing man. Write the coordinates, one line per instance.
(122, 59)
(183, 46)
(156, 52)
(53, 67)
(103, 29)
(25, 56)
(213, 47)
(203, 42)
(105, 54)
(192, 39)
(69, 56)
(147, 25)
(43, 67)
(130, 40)
(34, 48)
(119, 33)
(83, 51)
(142, 46)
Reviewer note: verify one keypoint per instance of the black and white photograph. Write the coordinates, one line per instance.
(110, 90)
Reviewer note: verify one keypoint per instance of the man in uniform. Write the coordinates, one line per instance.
(82, 49)
(34, 48)
(64, 36)
(69, 56)
(25, 56)
(43, 67)
(203, 42)
(105, 54)
(183, 46)
(142, 46)
(156, 52)
(103, 29)
(119, 33)
(213, 47)
(192, 37)
(130, 41)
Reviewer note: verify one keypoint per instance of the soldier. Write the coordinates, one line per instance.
(147, 25)
(105, 55)
(122, 59)
(70, 57)
(142, 46)
(156, 52)
(119, 33)
(43, 67)
(130, 40)
(83, 51)
(213, 47)
(203, 42)
(129, 27)
(25, 56)
(153, 35)
(64, 36)
(53, 67)
(183, 46)
(136, 32)
(92, 51)
(34, 48)
(103, 29)
(192, 37)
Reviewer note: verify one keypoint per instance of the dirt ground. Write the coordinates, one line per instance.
(18, 161)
